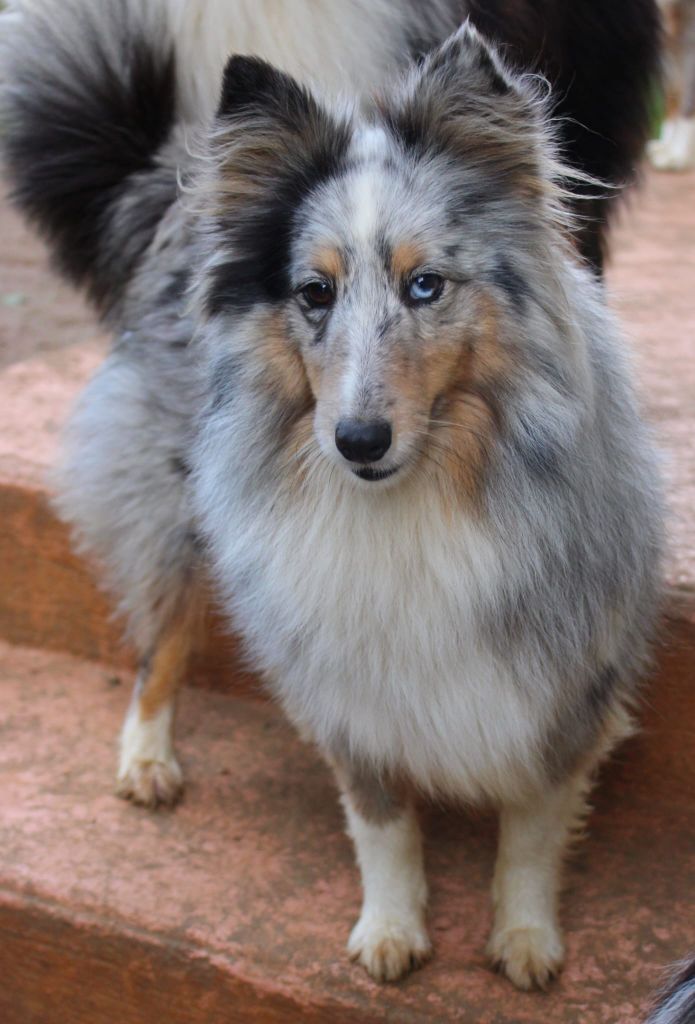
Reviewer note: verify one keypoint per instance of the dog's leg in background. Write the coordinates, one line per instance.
(526, 941)
(390, 936)
(149, 772)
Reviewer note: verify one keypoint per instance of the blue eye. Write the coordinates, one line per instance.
(424, 288)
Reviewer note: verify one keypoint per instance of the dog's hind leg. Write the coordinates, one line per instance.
(149, 773)
(390, 936)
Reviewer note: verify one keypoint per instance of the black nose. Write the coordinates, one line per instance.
(363, 442)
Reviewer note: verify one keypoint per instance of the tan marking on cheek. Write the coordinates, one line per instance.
(406, 258)
(492, 350)
(283, 365)
(462, 448)
(463, 443)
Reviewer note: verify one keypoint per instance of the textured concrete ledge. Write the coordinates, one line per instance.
(236, 906)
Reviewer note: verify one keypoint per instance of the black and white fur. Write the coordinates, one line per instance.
(471, 618)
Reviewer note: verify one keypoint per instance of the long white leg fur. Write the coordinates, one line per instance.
(148, 772)
(390, 936)
(526, 941)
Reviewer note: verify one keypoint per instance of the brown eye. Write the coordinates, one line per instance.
(424, 288)
(317, 294)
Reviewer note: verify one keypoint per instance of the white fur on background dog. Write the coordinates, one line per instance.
(340, 46)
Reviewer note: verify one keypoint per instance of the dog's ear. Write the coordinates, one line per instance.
(270, 136)
(268, 124)
(254, 89)
(466, 60)
(463, 99)
(271, 144)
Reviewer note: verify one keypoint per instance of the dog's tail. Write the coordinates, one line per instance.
(87, 126)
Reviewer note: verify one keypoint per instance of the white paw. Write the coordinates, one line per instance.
(149, 773)
(389, 948)
(530, 957)
(151, 783)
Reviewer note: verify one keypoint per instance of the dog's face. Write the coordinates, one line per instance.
(379, 263)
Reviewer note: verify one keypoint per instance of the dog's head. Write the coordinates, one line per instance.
(373, 266)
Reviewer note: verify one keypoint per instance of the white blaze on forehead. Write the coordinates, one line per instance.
(369, 147)
(369, 142)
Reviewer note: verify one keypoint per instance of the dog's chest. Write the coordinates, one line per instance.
(372, 621)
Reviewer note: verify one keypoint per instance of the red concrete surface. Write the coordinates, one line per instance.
(651, 284)
(240, 901)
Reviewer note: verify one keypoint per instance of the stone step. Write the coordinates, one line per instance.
(236, 906)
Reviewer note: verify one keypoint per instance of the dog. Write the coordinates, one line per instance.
(363, 386)
(674, 150)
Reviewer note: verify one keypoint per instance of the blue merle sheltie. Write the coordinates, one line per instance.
(364, 389)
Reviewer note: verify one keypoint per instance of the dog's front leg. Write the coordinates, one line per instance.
(390, 936)
(149, 773)
(526, 941)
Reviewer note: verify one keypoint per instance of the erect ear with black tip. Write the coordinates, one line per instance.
(462, 99)
(252, 86)
(271, 146)
(459, 86)
(466, 55)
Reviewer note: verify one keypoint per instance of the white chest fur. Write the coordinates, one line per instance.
(364, 611)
